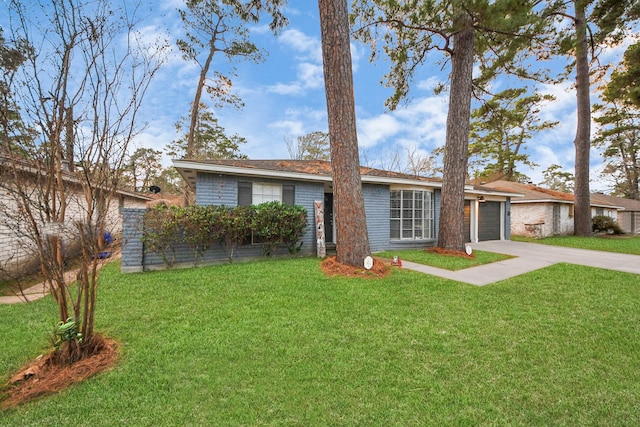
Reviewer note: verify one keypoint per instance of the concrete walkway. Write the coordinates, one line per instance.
(41, 290)
(35, 292)
(529, 257)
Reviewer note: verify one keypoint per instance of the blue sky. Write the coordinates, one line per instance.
(284, 98)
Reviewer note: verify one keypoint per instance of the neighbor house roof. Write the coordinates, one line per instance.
(624, 204)
(534, 194)
(306, 170)
(29, 168)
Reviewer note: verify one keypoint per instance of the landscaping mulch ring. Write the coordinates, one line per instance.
(43, 376)
(331, 267)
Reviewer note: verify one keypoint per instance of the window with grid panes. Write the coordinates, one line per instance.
(411, 215)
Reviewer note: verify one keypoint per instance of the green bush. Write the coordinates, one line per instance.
(198, 224)
(276, 224)
(605, 224)
(160, 232)
(272, 224)
(233, 225)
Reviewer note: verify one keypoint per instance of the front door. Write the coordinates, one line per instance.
(556, 219)
(328, 217)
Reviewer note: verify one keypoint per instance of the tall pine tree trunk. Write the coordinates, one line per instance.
(582, 143)
(351, 226)
(451, 234)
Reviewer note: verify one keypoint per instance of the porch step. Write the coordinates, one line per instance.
(331, 249)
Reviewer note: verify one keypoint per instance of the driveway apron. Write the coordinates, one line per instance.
(529, 257)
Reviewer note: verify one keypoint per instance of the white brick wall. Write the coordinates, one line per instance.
(536, 219)
(17, 248)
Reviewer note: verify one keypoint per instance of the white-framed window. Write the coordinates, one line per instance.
(263, 193)
(411, 215)
(255, 193)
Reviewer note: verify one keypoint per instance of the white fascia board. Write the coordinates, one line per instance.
(568, 202)
(236, 170)
(494, 193)
(370, 179)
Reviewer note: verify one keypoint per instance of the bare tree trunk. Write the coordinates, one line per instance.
(451, 234)
(195, 107)
(582, 218)
(351, 225)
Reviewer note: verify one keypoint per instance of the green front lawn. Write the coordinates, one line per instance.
(447, 262)
(622, 244)
(278, 343)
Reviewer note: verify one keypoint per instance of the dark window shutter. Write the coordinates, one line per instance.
(289, 194)
(244, 193)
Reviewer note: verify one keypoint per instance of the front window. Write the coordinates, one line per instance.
(263, 193)
(411, 215)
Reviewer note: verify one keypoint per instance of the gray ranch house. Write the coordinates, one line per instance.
(402, 211)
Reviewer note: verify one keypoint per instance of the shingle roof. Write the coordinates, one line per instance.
(315, 170)
(626, 204)
(531, 192)
(314, 167)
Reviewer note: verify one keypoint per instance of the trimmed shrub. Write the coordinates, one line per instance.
(160, 232)
(272, 224)
(276, 224)
(605, 224)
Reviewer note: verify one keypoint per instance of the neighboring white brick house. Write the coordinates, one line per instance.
(543, 212)
(17, 249)
(628, 212)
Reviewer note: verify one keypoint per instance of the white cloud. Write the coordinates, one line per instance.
(285, 89)
(288, 127)
(373, 130)
(429, 83)
(307, 47)
(311, 74)
(307, 51)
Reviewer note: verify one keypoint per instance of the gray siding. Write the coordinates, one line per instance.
(377, 205)
(132, 247)
(216, 190)
(436, 211)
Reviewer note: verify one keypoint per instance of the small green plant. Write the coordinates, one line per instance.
(66, 332)
(605, 224)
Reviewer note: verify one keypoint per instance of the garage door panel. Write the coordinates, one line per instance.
(489, 221)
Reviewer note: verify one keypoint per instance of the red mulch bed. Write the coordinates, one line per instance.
(331, 267)
(44, 376)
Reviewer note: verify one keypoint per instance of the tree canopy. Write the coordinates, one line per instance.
(500, 129)
(619, 120)
(492, 35)
(582, 28)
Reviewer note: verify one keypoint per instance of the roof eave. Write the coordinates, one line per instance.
(188, 169)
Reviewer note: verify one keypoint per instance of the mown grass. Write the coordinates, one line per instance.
(620, 244)
(278, 343)
(447, 262)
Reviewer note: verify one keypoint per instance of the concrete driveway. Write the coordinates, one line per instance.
(530, 257)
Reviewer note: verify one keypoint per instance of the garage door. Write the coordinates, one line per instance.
(489, 221)
(467, 221)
